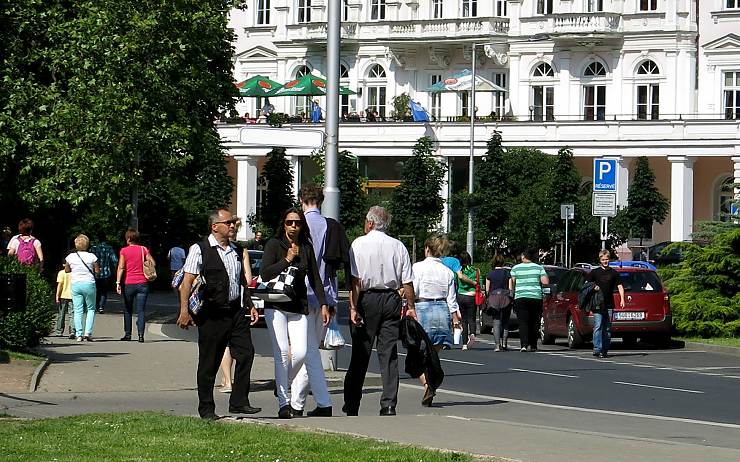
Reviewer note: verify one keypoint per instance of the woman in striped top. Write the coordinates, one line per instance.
(527, 279)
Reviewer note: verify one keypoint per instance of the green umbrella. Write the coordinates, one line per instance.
(308, 85)
(257, 86)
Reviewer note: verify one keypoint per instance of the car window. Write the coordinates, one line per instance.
(640, 282)
(577, 282)
(564, 282)
(555, 274)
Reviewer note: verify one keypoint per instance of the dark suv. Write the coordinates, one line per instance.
(647, 311)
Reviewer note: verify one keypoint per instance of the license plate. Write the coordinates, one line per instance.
(629, 315)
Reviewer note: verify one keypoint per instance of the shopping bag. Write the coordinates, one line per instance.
(333, 339)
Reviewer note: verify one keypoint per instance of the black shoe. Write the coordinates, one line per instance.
(390, 410)
(126, 338)
(320, 412)
(244, 409)
(350, 412)
(284, 412)
(596, 354)
(87, 338)
(210, 417)
(603, 355)
(141, 339)
(296, 412)
(72, 336)
(100, 310)
(426, 401)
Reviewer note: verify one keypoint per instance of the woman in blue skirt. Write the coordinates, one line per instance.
(436, 302)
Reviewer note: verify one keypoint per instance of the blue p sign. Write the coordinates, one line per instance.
(605, 175)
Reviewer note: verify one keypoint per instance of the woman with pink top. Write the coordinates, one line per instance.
(135, 290)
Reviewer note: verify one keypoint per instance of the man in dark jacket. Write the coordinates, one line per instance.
(606, 279)
(226, 315)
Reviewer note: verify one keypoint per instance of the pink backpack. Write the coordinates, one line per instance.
(26, 253)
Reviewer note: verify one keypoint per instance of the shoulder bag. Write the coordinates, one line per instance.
(278, 289)
(480, 297)
(150, 271)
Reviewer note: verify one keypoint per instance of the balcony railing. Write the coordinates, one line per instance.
(587, 23)
(419, 29)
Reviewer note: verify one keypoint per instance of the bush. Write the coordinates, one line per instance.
(25, 329)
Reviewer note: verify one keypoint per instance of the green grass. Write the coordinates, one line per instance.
(7, 355)
(148, 437)
(722, 341)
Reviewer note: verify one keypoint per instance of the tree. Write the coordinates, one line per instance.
(416, 205)
(352, 196)
(646, 205)
(490, 194)
(102, 99)
(279, 197)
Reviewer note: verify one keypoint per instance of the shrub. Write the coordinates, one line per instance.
(22, 330)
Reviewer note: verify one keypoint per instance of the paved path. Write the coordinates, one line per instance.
(112, 376)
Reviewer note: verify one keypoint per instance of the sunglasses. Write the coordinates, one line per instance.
(293, 223)
(233, 221)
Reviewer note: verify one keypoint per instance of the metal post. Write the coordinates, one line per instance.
(331, 190)
(134, 219)
(567, 265)
(333, 47)
(471, 111)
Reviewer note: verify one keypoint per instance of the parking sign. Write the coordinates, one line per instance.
(605, 175)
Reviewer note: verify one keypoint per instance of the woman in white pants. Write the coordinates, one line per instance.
(287, 322)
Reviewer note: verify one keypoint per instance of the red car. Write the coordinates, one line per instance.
(646, 314)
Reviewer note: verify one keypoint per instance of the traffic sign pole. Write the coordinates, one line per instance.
(604, 231)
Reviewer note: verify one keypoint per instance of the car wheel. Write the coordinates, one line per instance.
(546, 338)
(484, 328)
(629, 340)
(575, 340)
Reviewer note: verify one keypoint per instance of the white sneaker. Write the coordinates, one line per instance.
(79, 339)
(464, 347)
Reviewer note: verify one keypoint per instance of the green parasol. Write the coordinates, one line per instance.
(257, 86)
(308, 85)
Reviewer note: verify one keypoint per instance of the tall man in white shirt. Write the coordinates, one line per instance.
(380, 267)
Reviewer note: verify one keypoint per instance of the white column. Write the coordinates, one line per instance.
(736, 170)
(562, 89)
(682, 197)
(246, 192)
(623, 181)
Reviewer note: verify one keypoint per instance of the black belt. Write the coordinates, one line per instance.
(380, 291)
(431, 300)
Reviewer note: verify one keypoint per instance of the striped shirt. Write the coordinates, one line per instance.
(527, 278)
(194, 262)
(106, 259)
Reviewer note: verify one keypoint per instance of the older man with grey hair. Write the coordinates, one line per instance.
(380, 267)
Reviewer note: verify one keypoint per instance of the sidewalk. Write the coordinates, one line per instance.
(108, 375)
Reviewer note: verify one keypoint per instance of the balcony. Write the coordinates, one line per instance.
(587, 23)
(419, 30)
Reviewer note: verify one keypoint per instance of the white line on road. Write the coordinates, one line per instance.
(716, 368)
(545, 373)
(661, 388)
(441, 359)
(578, 409)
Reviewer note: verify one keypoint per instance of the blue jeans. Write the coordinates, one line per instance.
(134, 295)
(602, 330)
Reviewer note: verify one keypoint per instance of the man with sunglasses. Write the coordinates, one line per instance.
(226, 316)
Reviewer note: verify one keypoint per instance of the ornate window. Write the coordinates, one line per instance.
(649, 5)
(376, 90)
(595, 69)
(732, 4)
(304, 11)
(345, 10)
(731, 92)
(469, 8)
(725, 198)
(594, 94)
(345, 106)
(542, 96)
(499, 97)
(648, 93)
(544, 6)
(501, 8)
(263, 12)
(436, 103)
(377, 10)
(594, 6)
(302, 103)
(437, 9)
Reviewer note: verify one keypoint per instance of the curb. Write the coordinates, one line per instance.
(696, 346)
(37, 375)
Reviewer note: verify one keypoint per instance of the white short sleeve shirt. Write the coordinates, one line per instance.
(82, 266)
(433, 280)
(380, 261)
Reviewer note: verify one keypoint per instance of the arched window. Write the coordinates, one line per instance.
(376, 90)
(594, 93)
(542, 94)
(302, 103)
(343, 71)
(543, 70)
(647, 91)
(304, 11)
(648, 68)
(345, 108)
(725, 198)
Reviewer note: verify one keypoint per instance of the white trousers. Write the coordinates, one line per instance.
(312, 371)
(288, 332)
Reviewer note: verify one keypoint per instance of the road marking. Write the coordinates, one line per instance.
(660, 388)
(578, 409)
(716, 368)
(441, 359)
(545, 373)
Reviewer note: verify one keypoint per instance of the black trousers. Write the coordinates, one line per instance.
(469, 312)
(528, 312)
(217, 329)
(381, 312)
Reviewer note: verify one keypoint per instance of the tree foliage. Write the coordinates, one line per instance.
(646, 205)
(489, 197)
(279, 197)
(101, 98)
(705, 287)
(416, 205)
(352, 197)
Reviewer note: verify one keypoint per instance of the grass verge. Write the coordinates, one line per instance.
(159, 437)
(7, 355)
(722, 341)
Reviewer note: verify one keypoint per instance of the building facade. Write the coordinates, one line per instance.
(608, 78)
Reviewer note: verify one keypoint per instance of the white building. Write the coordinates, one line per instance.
(609, 78)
